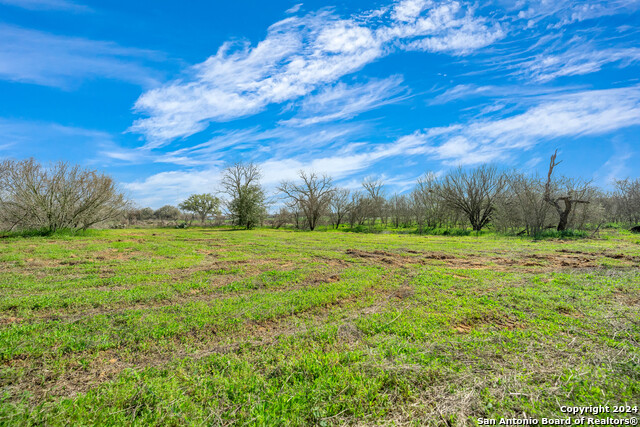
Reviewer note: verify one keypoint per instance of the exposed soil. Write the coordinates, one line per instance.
(562, 259)
(379, 257)
(495, 321)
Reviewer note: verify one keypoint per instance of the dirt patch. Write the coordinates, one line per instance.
(438, 256)
(112, 255)
(620, 256)
(348, 332)
(403, 292)
(10, 320)
(631, 299)
(379, 257)
(328, 278)
(495, 321)
(562, 259)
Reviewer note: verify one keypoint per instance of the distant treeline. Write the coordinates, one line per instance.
(64, 196)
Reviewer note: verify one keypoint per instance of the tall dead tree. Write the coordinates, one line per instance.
(569, 200)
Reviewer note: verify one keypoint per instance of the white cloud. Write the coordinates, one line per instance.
(410, 10)
(447, 28)
(172, 187)
(579, 114)
(47, 5)
(344, 102)
(35, 57)
(520, 94)
(577, 60)
(460, 92)
(299, 55)
(278, 142)
(294, 8)
(564, 12)
(49, 141)
(582, 113)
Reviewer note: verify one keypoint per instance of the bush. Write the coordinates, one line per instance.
(61, 196)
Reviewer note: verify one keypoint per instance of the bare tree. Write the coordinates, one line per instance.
(399, 209)
(570, 197)
(281, 218)
(339, 206)
(247, 201)
(374, 203)
(58, 197)
(627, 197)
(473, 192)
(312, 195)
(426, 201)
(358, 208)
(531, 209)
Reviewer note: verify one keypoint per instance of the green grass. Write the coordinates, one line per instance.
(274, 327)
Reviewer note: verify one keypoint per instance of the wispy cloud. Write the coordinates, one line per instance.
(50, 141)
(515, 94)
(299, 55)
(172, 187)
(64, 5)
(51, 60)
(341, 102)
(294, 8)
(578, 59)
(583, 113)
(278, 142)
(564, 12)
(573, 115)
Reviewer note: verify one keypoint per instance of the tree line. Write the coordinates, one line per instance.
(66, 196)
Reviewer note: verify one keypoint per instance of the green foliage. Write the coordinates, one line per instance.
(167, 213)
(202, 205)
(248, 208)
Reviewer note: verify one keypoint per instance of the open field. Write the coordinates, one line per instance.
(221, 327)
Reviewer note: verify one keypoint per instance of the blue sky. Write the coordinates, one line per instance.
(163, 95)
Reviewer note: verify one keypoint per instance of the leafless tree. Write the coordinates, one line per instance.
(530, 208)
(627, 198)
(281, 218)
(375, 200)
(569, 192)
(60, 196)
(339, 206)
(473, 192)
(427, 201)
(358, 208)
(312, 195)
(399, 208)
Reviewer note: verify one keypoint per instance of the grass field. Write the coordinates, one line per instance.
(229, 327)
